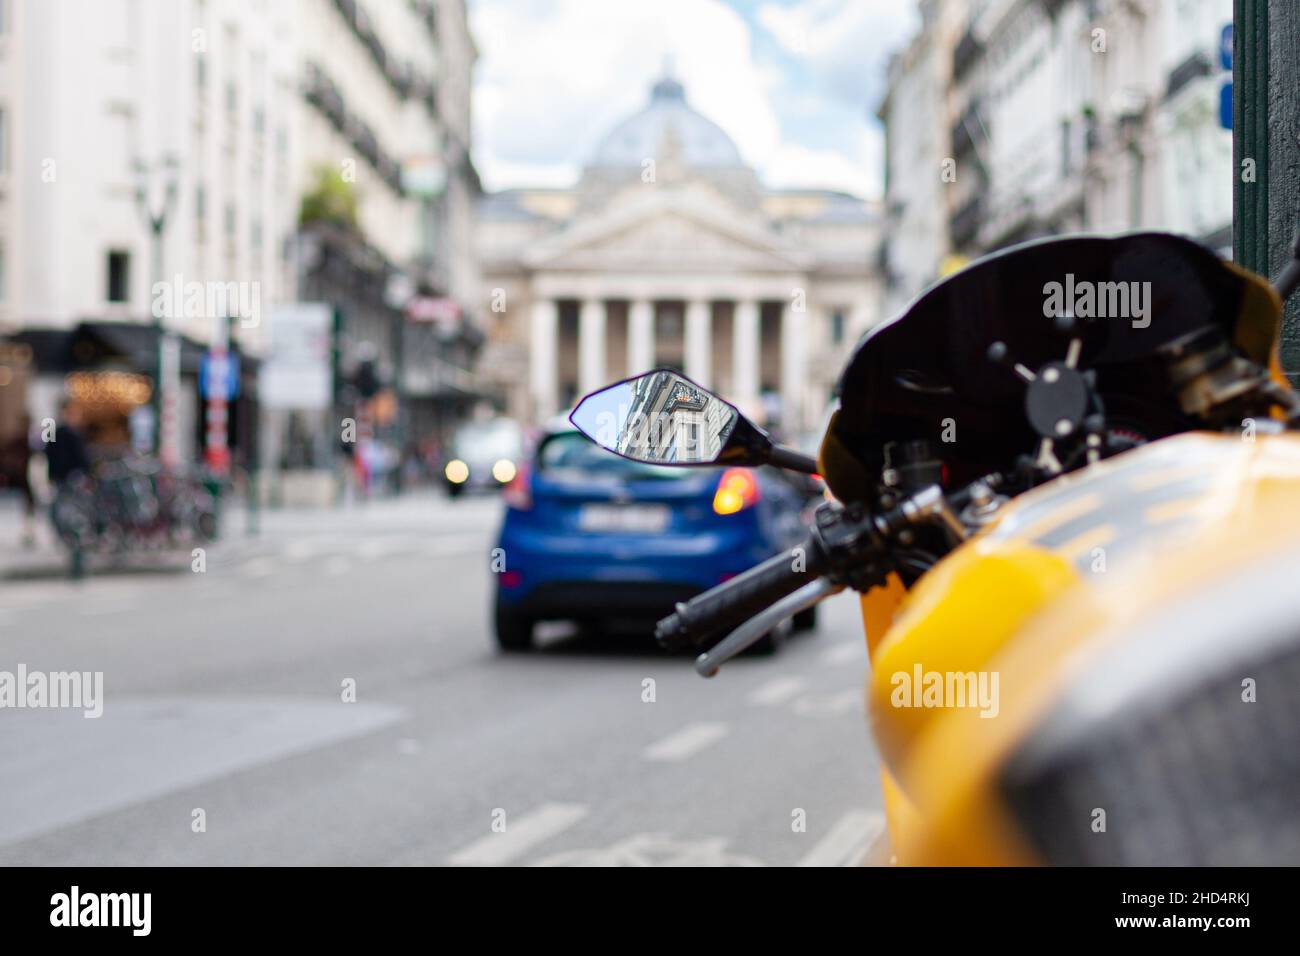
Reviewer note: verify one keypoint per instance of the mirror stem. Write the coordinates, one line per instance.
(792, 460)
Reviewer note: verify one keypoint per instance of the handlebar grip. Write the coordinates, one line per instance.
(735, 601)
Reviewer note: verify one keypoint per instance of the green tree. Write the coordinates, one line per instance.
(331, 199)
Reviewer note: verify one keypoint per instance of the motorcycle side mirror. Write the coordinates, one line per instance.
(663, 418)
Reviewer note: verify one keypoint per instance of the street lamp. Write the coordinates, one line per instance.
(155, 210)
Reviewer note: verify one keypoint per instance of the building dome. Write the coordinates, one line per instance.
(700, 142)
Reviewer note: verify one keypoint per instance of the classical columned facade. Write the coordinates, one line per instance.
(756, 294)
(742, 338)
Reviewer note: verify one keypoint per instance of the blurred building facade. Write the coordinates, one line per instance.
(1016, 119)
(670, 252)
(385, 232)
(306, 149)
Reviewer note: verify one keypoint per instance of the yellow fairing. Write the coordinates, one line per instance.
(1035, 599)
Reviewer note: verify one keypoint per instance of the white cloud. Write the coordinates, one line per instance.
(859, 172)
(845, 45)
(554, 77)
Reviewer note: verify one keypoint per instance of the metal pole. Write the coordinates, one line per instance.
(1266, 146)
(167, 368)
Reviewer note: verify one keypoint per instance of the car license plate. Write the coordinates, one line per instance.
(633, 518)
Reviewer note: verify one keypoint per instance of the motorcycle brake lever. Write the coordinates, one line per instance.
(708, 663)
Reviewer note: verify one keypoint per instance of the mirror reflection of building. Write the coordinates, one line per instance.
(671, 420)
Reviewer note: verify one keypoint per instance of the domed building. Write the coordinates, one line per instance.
(669, 251)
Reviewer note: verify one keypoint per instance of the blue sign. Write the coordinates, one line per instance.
(219, 376)
(1225, 105)
(1225, 47)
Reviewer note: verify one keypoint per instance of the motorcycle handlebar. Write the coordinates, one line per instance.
(735, 601)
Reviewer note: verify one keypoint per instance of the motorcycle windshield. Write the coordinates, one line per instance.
(927, 374)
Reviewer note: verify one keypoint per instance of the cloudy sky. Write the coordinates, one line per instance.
(794, 82)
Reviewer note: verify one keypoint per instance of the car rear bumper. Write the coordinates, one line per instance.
(591, 600)
(590, 576)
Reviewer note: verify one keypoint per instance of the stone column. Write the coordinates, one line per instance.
(745, 333)
(543, 350)
(794, 332)
(591, 346)
(640, 336)
(699, 342)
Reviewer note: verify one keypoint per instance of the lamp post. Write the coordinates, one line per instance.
(155, 211)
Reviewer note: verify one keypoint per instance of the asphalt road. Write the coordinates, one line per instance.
(225, 737)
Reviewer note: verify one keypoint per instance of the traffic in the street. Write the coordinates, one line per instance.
(486, 434)
(377, 723)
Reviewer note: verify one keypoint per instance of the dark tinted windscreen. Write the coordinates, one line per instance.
(574, 453)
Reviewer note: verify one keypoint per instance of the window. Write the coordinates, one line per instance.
(837, 327)
(119, 276)
(4, 17)
(4, 137)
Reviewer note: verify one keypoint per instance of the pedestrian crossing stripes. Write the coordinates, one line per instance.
(335, 554)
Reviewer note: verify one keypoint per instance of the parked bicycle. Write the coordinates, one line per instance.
(133, 504)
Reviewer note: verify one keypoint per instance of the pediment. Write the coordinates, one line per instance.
(683, 232)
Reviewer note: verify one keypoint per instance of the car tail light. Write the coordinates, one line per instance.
(517, 493)
(737, 491)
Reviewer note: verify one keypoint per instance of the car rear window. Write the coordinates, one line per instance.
(572, 452)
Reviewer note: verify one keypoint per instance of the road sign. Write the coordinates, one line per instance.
(1225, 105)
(219, 375)
(1225, 47)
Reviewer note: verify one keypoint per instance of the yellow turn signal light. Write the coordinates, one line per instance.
(737, 491)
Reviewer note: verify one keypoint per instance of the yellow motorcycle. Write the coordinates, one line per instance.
(1066, 483)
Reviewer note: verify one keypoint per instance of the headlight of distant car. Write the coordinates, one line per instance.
(504, 471)
(457, 471)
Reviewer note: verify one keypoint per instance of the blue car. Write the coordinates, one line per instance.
(589, 536)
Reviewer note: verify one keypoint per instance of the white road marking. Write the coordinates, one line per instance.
(776, 691)
(687, 742)
(372, 549)
(453, 544)
(259, 568)
(303, 549)
(848, 652)
(520, 835)
(848, 840)
(830, 705)
(654, 849)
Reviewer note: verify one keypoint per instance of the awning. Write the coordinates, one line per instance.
(93, 343)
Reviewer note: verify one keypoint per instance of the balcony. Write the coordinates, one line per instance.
(1196, 65)
(964, 225)
(967, 52)
(320, 91)
(965, 130)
